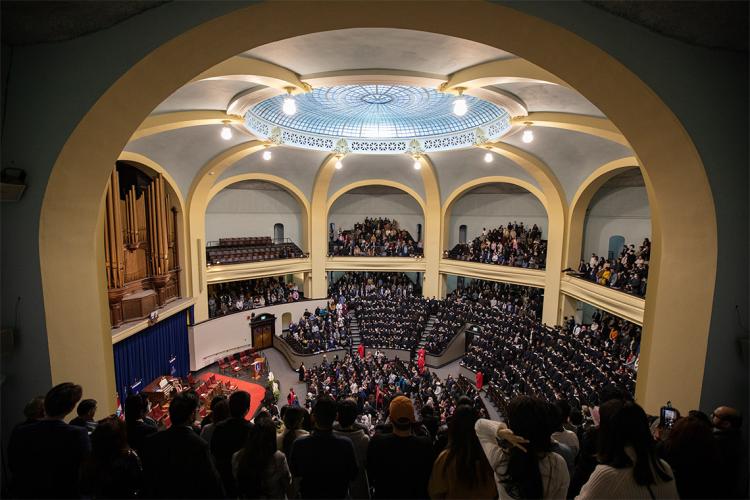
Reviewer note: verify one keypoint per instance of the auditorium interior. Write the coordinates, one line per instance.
(529, 197)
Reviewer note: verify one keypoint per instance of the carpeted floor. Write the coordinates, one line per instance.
(257, 391)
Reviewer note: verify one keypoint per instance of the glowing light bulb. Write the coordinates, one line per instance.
(460, 107)
(226, 132)
(339, 165)
(290, 105)
(528, 136)
(267, 155)
(488, 157)
(417, 165)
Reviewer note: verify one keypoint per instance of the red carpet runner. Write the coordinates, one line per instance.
(256, 391)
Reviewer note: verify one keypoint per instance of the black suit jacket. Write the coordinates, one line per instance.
(177, 464)
(138, 432)
(228, 437)
(44, 458)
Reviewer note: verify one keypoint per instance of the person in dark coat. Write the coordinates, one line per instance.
(229, 437)
(44, 456)
(138, 427)
(177, 462)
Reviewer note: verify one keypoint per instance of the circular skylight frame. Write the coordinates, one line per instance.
(377, 119)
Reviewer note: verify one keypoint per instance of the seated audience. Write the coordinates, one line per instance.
(512, 245)
(113, 470)
(462, 469)
(260, 469)
(235, 296)
(521, 452)
(629, 467)
(323, 330)
(379, 237)
(324, 462)
(177, 463)
(628, 272)
(44, 456)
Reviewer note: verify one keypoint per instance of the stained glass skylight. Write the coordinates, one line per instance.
(375, 115)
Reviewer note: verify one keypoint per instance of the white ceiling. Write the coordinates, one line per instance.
(571, 156)
(551, 97)
(204, 95)
(376, 48)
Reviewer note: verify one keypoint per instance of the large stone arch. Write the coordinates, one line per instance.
(672, 361)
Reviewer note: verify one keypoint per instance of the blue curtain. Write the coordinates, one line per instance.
(147, 354)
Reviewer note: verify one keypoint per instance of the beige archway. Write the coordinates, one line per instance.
(554, 237)
(374, 182)
(677, 313)
(580, 203)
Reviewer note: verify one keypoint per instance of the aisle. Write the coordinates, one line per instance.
(285, 376)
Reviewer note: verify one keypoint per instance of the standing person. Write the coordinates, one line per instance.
(727, 425)
(113, 469)
(138, 427)
(692, 452)
(260, 469)
(44, 456)
(344, 427)
(629, 467)
(462, 469)
(291, 396)
(294, 417)
(301, 372)
(85, 415)
(229, 436)
(520, 453)
(400, 450)
(480, 380)
(219, 413)
(361, 351)
(328, 478)
(179, 454)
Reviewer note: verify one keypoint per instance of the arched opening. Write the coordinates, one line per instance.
(286, 320)
(509, 226)
(617, 234)
(662, 144)
(375, 221)
(278, 233)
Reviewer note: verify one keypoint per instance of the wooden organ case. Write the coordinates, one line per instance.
(140, 244)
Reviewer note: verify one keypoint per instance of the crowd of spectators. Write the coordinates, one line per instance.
(375, 237)
(362, 445)
(627, 272)
(395, 322)
(360, 284)
(235, 296)
(374, 381)
(510, 245)
(518, 355)
(324, 329)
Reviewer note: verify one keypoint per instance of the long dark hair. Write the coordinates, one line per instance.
(472, 467)
(294, 416)
(623, 424)
(527, 417)
(256, 455)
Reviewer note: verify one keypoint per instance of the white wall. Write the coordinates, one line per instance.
(252, 212)
(216, 338)
(622, 211)
(352, 208)
(478, 210)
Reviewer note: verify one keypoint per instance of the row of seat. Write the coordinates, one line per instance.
(216, 255)
(246, 241)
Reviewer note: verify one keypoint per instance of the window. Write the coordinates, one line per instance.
(278, 233)
(462, 234)
(286, 320)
